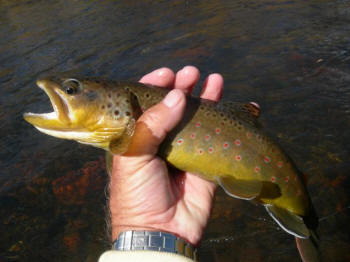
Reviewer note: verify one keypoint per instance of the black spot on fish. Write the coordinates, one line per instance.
(127, 113)
(109, 105)
(116, 112)
(103, 107)
(147, 95)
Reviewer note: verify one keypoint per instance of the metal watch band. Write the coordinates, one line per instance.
(156, 241)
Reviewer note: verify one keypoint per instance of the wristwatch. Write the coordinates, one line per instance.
(154, 240)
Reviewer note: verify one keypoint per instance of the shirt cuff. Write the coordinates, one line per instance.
(142, 256)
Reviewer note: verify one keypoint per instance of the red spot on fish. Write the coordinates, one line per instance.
(238, 157)
(279, 164)
(257, 169)
(210, 150)
(180, 141)
(259, 137)
(226, 145)
(200, 151)
(223, 123)
(198, 124)
(273, 179)
(193, 135)
(249, 135)
(286, 179)
(238, 142)
(217, 130)
(207, 137)
(267, 159)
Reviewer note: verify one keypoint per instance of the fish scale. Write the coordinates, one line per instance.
(218, 142)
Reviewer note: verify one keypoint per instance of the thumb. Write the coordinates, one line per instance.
(155, 123)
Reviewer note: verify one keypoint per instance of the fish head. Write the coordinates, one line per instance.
(89, 111)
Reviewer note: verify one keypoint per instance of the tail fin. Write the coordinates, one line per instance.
(308, 248)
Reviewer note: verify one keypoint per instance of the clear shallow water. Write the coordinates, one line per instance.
(292, 57)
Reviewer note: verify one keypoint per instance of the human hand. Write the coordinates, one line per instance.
(143, 194)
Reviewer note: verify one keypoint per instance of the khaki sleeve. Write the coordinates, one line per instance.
(142, 256)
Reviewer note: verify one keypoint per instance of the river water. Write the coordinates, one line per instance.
(292, 57)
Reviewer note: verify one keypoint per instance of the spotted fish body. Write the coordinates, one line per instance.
(213, 141)
(218, 142)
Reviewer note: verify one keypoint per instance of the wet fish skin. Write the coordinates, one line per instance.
(212, 133)
(219, 142)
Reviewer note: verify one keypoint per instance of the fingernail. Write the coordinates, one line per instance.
(163, 71)
(186, 69)
(172, 98)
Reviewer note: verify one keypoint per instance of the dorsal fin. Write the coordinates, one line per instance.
(246, 111)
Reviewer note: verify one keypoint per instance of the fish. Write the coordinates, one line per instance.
(249, 165)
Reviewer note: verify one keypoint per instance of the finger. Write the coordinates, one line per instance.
(155, 123)
(212, 88)
(186, 79)
(160, 77)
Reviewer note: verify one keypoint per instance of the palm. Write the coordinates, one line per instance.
(148, 197)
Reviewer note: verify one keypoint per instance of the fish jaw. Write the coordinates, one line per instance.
(56, 120)
(74, 120)
(57, 123)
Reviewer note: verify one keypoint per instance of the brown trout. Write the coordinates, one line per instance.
(219, 142)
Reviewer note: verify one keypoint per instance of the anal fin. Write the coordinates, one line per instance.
(242, 189)
(291, 223)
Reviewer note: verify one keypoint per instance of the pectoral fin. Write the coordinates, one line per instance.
(109, 162)
(291, 223)
(121, 144)
(242, 189)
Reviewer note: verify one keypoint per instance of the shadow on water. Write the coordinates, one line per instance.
(292, 57)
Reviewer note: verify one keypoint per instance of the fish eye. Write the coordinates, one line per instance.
(71, 86)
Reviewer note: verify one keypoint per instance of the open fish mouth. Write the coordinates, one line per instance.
(56, 120)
